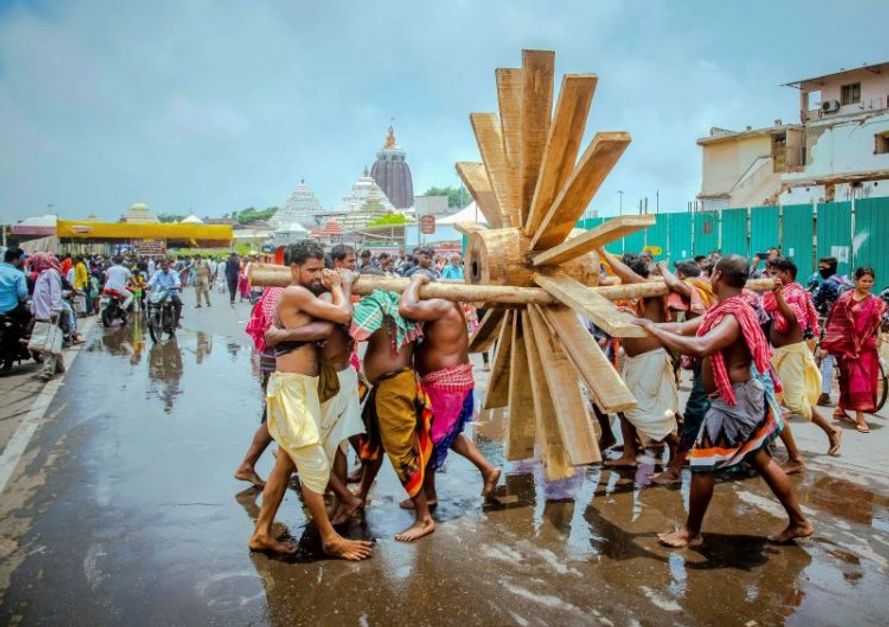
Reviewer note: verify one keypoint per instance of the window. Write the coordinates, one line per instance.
(881, 143)
(851, 94)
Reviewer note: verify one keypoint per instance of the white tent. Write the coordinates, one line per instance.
(470, 214)
(192, 219)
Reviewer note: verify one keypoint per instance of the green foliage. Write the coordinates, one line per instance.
(170, 217)
(458, 197)
(393, 219)
(250, 214)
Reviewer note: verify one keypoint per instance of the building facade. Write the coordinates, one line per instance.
(839, 150)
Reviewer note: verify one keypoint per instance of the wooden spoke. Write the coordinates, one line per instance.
(607, 387)
(571, 412)
(490, 145)
(562, 144)
(538, 70)
(487, 331)
(509, 98)
(475, 178)
(520, 432)
(556, 464)
(468, 228)
(589, 241)
(587, 302)
(589, 174)
(497, 394)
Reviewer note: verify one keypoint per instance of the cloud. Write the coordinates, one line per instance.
(213, 106)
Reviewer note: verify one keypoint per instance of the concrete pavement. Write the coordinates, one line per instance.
(124, 510)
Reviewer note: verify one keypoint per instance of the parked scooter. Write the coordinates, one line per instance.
(14, 335)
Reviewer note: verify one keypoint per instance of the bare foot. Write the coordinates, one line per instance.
(266, 544)
(491, 480)
(834, 438)
(250, 476)
(802, 530)
(409, 503)
(345, 511)
(842, 416)
(416, 531)
(353, 550)
(680, 539)
(622, 462)
(666, 477)
(862, 428)
(792, 467)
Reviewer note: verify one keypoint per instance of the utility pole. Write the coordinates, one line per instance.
(620, 193)
(657, 202)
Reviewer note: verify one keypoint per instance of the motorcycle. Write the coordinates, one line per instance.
(14, 343)
(160, 316)
(111, 306)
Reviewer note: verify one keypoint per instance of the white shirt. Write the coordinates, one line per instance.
(117, 278)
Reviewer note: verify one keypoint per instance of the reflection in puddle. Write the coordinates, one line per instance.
(165, 371)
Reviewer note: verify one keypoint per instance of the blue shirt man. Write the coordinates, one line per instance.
(13, 286)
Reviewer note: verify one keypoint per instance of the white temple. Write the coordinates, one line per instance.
(139, 213)
(363, 204)
(302, 208)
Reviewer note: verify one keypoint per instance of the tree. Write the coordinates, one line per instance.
(458, 197)
(250, 214)
(170, 217)
(393, 219)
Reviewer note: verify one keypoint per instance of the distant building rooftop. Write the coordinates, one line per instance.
(875, 68)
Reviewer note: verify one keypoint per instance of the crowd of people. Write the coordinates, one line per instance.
(754, 359)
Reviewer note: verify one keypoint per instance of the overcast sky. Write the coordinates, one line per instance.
(207, 107)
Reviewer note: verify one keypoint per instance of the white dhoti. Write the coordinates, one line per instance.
(293, 410)
(341, 415)
(650, 379)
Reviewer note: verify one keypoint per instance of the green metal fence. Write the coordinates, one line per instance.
(856, 235)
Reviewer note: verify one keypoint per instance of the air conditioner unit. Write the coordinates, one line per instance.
(830, 106)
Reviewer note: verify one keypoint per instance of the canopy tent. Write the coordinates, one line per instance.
(206, 235)
(469, 214)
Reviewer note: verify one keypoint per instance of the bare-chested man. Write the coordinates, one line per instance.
(648, 372)
(294, 411)
(743, 416)
(793, 317)
(692, 294)
(442, 361)
(396, 415)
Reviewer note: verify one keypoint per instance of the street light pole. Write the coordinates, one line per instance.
(620, 193)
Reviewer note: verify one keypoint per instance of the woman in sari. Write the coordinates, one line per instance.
(851, 335)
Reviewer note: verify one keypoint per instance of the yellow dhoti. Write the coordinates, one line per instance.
(294, 419)
(800, 378)
(341, 415)
(649, 376)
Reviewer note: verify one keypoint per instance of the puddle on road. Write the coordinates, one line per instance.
(577, 550)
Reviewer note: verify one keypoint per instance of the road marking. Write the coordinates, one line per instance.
(17, 445)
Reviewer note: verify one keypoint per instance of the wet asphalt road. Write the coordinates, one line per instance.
(124, 511)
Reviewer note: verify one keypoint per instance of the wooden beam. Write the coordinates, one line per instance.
(490, 145)
(556, 464)
(497, 394)
(603, 381)
(521, 426)
(509, 99)
(589, 174)
(475, 178)
(538, 70)
(587, 302)
(487, 331)
(572, 416)
(562, 144)
(270, 275)
(589, 241)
